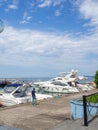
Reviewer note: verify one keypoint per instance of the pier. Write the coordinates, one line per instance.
(47, 114)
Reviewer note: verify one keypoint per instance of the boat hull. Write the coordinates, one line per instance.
(9, 101)
(60, 90)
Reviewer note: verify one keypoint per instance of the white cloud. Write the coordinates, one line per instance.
(89, 10)
(33, 48)
(10, 4)
(58, 2)
(46, 49)
(26, 18)
(13, 5)
(57, 13)
(47, 3)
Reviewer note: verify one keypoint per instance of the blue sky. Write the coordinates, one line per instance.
(42, 38)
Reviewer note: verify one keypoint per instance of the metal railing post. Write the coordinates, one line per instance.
(85, 111)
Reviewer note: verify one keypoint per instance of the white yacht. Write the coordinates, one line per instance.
(13, 94)
(65, 83)
(16, 93)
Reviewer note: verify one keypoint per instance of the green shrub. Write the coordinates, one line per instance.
(93, 98)
(96, 79)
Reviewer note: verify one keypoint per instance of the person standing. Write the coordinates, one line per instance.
(33, 97)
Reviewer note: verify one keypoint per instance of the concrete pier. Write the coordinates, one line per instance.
(46, 115)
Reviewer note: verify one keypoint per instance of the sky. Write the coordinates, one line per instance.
(42, 38)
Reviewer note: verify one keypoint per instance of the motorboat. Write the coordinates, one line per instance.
(13, 94)
(65, 83)
(16, 93)
(64, 88)
(3, 83)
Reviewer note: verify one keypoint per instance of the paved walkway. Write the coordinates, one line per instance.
(76, 125)
(50, 114)
(8, 128)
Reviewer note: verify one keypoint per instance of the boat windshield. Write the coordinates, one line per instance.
(10, 88)
(59, 83)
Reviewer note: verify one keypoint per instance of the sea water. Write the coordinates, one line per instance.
(89, 79)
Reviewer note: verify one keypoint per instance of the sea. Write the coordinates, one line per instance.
(36, 79)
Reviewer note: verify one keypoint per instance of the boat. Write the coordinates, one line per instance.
(3, 83)
(13, 94)
(65, 83)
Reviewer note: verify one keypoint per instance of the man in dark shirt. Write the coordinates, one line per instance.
(33, 97)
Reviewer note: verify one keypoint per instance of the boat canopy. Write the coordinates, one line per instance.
(14, 85)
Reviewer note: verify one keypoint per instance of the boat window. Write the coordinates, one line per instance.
(69, 83)
(58, 83)
(64, 89)
(8, 89)
(59, 78)
(19, 93)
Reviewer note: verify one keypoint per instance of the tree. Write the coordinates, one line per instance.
(96, 78)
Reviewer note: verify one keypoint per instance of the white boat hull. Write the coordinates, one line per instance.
(66, 89)
(9, 101)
